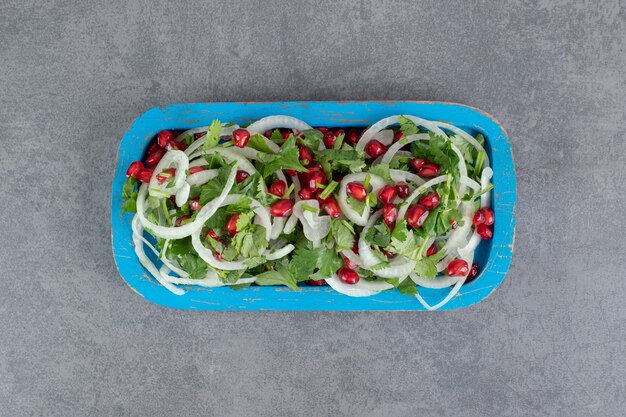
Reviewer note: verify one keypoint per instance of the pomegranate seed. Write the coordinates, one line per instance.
(241, 137)
(217, 256)
(194, 204)
(429, 171)
(305, 194)
(338, 176)
(487, 215)
(338, 131)
(267, 134)
(285, 133)
(306, 157)
(454, 224)
(355, 247)
(291, 172)
(172, 144)
(278, 188)
(387, 194)
(416, 215)
(199, 135)
(169, 174)
(349, 264)
(374, 149)
(348, 276)
(241, 176)
(322, 129)
(314, 178)
(315, 282)
(231, 224)
(145, 175)
(356, 191)
(417, 163)
(164, 137)
(402, 189)
(153, 159)
(211, 233)
(430, 201)
(152, 148)
(331, 207)
(478, 219)
(432, 249)
(390, 214)
(283, 208)
(352, 137)
(484, 232)
(134, 169)
(457, 268)
(473, 273)
(398, 135)
(388, 254)
(195, 170)
(329, 140)
(179, 221)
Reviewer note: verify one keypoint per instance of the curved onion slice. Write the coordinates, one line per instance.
(202, 177)
(226, 131)
(360, 219)
(182, 165)
(416, 192)
(280, 253)
(187, 229)
(353, 257)
(388, 121)
(385, 137)
(436, 283)
(363, 288)
(393, 149)
(273, 122)
(182, 195)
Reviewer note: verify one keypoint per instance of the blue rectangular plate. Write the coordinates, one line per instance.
(494, 256)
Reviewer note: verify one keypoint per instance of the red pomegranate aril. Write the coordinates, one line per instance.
(484, 231)
(199, 135)
(152, 148)
(241, 138)
(352, 137)
(315, 282)
(430, 201)
(314, 178)
(167, 174)
(348, 276)
(432, 249)
(268, 134)
(388, 255)
(374, 148)
(487, 215)
(329, 140)
(473, 273)
(305, 155)
(478, 219)
(306, 194)
(331, 207)
(322, 129)
(387, 194)
(278, 188)
(457, 268)
(153, 159)
(195, 170)
(416, 215)
(417, 163)
(291, 172)
(454, 224)
(241, 176)
(164, 137)
(429, 171)
(145, 175)
(390, 214)
(211, 233)
(356, 191)
(172, 144)
(355, 247)
(348, 263)
(179, 221)
(283, 208)
(338, 131)
(194, 204)
(398, 135)
(402, 189)
(134, 169)
(231, 224)
(217, 256)
(285, 133)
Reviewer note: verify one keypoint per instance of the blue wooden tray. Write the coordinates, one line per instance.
(494, 256)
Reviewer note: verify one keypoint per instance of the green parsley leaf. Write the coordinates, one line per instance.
(382, 170)
(466, 148)
(426, 267)
(328, 263)
(257, 141)
(358, 206)
(343, 233)
(378, 235)
(311, 138)
(280, 276)
(193, 264)
(303, 262)
(214, 188)
(212, 136)
(407, 126)
(407, 287)
(251, 241)
(287, 158)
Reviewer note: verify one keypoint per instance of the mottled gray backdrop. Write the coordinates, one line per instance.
(76, 341)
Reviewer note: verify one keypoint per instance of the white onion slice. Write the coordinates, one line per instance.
(202, 177)
(436, 283)
(388, 121)
(393, 149)
(363, 288)
(278, 121)
(226, 131)
(385, 137)
(182, 165)
(280, 253)
(182, 195)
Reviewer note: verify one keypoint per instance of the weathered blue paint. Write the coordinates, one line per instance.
(494, 256)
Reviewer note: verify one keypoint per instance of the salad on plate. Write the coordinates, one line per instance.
(396, 206)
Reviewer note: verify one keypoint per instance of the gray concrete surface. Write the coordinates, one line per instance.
(75, 341)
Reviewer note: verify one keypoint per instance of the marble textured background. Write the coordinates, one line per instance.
(75, 341)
